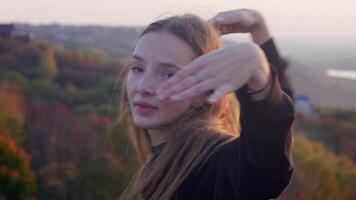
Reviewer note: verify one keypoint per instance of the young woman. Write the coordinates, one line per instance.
(207, 122)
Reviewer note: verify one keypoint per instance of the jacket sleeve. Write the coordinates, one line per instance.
(280, 65)
(265, 142)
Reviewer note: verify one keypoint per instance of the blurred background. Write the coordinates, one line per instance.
(59, 63)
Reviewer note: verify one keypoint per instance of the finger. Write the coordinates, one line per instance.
(227, 18)
(219, 92)
(210, 71)
(179, 87)
(216, 22)
(196, 90)
(187, 71)
(225, 29)
(230, 86)
(238, 19)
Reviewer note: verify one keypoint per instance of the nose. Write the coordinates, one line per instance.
(146, 86)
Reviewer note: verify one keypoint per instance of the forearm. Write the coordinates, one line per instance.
(260, 83)
(277, 62)
(267, 125)
(259, 31)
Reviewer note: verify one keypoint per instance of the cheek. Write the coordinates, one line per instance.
(168, 112)
(130, 88)
(173, 110)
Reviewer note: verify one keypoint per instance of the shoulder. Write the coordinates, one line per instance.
(220, 174)
(224, 160)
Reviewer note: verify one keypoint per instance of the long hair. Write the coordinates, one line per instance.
(194, 136)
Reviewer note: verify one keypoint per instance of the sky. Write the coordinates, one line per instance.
(286, 18)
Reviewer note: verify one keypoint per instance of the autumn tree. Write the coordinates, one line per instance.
(17, 181)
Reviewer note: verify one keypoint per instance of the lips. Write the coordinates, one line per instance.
(145, 109)
(145, 105)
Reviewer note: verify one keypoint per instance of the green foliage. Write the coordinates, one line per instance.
(84, 53)
(35, 61)
(104, 178)
(48, 64)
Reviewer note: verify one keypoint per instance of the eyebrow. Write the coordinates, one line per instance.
(167, 64)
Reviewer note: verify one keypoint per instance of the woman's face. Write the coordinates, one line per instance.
(156, 57)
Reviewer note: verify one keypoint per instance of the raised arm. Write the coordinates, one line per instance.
(252, 22)
(279, 64)
(266, 117)
(265, 142)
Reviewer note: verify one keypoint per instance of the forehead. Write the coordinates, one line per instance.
(160, 47)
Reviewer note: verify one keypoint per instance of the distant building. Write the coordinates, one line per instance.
(303, 107)
(6, 30)
(10, 31)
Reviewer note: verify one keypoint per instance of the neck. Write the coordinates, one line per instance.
(157, 136)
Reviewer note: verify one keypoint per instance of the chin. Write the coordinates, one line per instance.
(146, 125)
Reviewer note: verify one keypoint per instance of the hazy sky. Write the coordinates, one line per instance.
(297, 18)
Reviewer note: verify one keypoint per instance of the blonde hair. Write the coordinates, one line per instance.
(194, 136)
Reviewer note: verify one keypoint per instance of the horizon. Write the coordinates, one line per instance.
(308, 19)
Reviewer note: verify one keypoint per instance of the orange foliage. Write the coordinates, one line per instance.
(16, 177)
(319, 173)
(12, 107)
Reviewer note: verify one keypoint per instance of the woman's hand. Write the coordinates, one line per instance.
(221, 71)
(242, 21)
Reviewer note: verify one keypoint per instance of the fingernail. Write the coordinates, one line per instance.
(175, 98)
(212, 100)
(220, 18)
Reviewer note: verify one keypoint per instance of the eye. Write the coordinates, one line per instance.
(136, 69)
(167, 75)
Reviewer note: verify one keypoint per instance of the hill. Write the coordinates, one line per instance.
(323, 90)
(307, 68)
